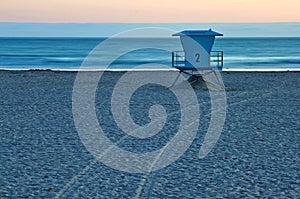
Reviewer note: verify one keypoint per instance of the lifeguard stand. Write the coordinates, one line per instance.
(198, 60)
(197, 54)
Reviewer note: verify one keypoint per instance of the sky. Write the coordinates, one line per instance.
(94, 18)
(149, 11)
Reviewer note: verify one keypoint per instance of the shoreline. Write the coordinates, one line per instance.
(149, 70)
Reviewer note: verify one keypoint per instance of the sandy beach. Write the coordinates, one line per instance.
(257, 154)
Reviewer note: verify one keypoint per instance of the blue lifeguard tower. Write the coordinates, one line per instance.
(197, 54)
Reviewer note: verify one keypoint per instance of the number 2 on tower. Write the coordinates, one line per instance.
(197, 55)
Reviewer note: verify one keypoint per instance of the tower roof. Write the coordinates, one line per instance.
(198, 33)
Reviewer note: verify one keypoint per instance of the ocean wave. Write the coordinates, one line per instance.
(63, 59)
(262, 60)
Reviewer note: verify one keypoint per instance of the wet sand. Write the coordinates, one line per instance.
(257, 154)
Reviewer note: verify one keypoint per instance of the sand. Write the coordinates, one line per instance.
(257, 154)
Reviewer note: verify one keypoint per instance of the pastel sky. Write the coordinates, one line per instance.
(149, 11)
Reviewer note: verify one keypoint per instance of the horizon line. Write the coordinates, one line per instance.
(34, 22)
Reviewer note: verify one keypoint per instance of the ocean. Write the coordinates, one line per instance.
(69, 53)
